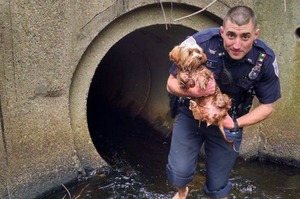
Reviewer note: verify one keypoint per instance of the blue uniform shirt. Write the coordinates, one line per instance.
(266, 85)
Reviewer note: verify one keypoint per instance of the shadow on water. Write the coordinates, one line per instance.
(137, 157)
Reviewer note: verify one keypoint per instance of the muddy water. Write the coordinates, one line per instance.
(137, 156)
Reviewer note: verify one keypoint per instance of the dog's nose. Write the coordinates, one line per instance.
(199, 56)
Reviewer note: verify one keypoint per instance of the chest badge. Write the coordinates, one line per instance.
(211, 51)
(256, 69)
(254, 72)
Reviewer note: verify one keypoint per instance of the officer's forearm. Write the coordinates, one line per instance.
(174, 88)
(258, 114)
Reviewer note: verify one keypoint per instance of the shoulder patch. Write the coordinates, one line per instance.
(190, 41)
(275, 65)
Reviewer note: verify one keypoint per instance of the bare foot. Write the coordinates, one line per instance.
(182, 193)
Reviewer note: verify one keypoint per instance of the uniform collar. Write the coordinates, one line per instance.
(251, 56)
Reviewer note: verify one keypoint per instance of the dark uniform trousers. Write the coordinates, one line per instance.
(187, 140)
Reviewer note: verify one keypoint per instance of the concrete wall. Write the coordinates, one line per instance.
(49, 53)
(278, 137)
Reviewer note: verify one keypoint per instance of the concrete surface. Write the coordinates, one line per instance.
(50, 51)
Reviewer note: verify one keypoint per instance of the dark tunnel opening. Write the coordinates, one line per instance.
(128, 103)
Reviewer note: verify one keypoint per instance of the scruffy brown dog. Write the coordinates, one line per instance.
(190, 60)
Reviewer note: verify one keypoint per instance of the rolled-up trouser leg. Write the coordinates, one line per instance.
(184, 151)
(220, 158)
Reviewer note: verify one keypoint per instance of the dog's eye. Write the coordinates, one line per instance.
(190, 52)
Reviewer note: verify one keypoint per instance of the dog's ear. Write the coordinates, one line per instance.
(193, 104)
(174, 55)
(204, 57)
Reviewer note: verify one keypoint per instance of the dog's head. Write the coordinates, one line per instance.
(187, 56)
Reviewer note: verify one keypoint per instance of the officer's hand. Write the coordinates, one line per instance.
(209, 90)
(228, 122)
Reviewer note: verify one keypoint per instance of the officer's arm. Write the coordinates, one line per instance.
(173, 87)
(258, 114)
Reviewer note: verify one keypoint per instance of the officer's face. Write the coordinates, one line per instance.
(237, 39)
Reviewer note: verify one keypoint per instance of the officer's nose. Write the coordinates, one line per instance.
(237, 43)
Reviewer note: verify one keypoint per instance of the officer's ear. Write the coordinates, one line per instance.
(256, 34)
(221, 31)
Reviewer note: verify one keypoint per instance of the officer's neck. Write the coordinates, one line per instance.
(231, 61)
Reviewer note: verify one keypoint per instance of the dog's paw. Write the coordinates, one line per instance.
(195, 110)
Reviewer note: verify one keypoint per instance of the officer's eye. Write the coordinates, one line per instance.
(230, 35)
(245, 37)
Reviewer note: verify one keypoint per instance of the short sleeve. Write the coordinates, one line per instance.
(267, 89)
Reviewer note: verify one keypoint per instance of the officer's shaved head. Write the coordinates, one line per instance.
(240, 15)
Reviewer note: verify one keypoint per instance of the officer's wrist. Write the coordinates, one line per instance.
(235, 125)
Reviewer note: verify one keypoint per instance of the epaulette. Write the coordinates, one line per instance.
(260, 44)
(206, 35)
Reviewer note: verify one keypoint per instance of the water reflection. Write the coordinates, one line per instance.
(137, 156)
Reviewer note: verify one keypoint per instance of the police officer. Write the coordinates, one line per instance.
(243, 66)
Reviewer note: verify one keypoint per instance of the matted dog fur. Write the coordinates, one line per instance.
(191, 70)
